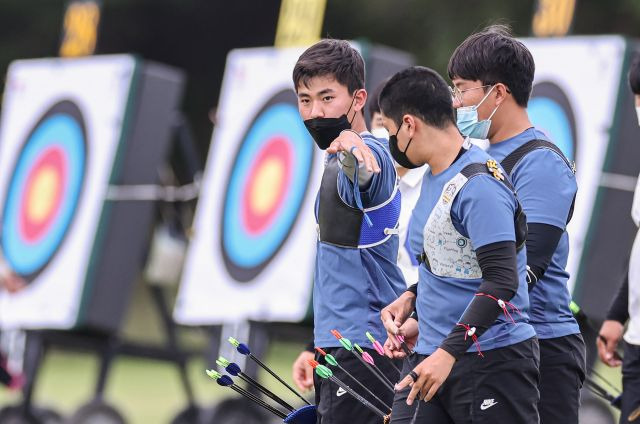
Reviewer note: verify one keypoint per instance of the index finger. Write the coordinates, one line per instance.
(403, 383)
(372, 164)
(388, 348)
(355, 151)
(388, 320)
(333, 147)
(390, 326)
(376, 167)
(370, 159)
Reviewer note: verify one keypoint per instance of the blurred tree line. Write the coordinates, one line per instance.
(195, 35)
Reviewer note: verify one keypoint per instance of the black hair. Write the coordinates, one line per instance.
(494, 56)
(634, 74)
(421, 92)
(329, 57)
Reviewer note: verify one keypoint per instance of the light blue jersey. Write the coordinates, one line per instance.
(483, 211)
(546, 187)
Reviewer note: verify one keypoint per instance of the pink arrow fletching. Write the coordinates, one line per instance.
(378, 347)
(367, 358)
(400, 339)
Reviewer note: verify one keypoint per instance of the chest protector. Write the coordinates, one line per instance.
(345, 226)
(447, 253)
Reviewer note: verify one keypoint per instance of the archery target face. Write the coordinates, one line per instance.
(267, 183)
(573, 102)
(44, 190)
(252, 255)
(60, 130)
(550, 110)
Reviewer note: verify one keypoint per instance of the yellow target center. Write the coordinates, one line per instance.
(267, 185)
(42, 194)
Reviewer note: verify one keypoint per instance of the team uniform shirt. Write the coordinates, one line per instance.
(483, 211)
(546, 187)
(417, 219)
(352, 285)
(410, 186)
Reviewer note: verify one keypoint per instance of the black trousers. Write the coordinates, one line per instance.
(562, 373)
(337, 407)
(502, 387)
(630, 383)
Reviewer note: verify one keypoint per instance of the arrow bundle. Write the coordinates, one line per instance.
(304, 415)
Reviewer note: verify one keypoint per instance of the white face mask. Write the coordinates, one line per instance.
(638, 112)
(468, 123)
(380, 133)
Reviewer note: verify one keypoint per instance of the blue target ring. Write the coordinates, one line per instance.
(44, 190)
(550, 110)
(266, 187)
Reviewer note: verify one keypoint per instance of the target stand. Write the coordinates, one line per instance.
(75, 135)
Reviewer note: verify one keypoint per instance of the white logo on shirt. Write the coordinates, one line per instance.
(487, 403)
(340, 392)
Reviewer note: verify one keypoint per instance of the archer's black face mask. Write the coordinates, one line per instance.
(397, 154)
(325, 130)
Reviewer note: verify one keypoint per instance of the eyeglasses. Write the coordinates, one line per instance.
(456, 93)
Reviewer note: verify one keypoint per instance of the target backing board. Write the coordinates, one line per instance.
(574, 97)
(57, 146)
(69, 129)
(252, 253)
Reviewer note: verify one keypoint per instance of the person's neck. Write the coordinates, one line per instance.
(358, 124)
(401, 170)
(446, 146)
(511, 123)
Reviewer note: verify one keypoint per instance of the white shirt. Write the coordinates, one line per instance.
(409, 185)
(632, 335)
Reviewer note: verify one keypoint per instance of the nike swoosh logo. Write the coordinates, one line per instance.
(487, 405)
(340, 391)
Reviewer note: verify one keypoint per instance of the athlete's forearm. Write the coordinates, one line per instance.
(500, 282)
(619, 309)
(542, 242)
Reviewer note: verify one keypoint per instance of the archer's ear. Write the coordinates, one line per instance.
(410, 123)
(360, 99)
(502, 91)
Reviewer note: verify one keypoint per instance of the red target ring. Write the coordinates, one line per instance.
(44, 191)
(267, 185)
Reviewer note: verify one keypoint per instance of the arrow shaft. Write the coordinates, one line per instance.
(375, 367)
(267, 369)
(382, 380)
(415, 414)
(364, 387)
(394, 365)
(605, 381)
(357, 396)
(406, 349)
(258, 401)
(265, 391)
